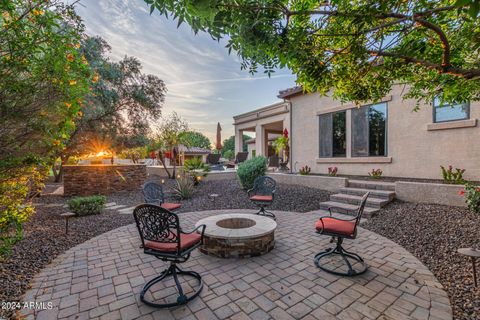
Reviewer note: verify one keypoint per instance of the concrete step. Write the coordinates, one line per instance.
(355, 200)
(374, 193)
(346, 208)
(376, 185)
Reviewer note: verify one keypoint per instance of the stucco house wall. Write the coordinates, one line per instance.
(416, 147)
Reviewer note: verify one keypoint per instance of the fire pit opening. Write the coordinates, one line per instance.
(236, 223)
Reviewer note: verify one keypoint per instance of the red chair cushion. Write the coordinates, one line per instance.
(170, 206)
(186, 241)
(332, 225)
(261, 198)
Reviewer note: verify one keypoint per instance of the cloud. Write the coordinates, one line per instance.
(205, 84)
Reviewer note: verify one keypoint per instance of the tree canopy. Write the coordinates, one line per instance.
(229, 145)
(43, 80)
(121, 104)
(355, 49)
(195, 139)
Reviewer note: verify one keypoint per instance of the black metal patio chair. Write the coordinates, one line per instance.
(241, 157)
(163, 238)
(340, 229)
(262, 194)
(153, 194)
(213, 158)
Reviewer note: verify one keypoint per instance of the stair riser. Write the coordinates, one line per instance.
(366, 214)
(372, 186)
(356, 202)
(372, 194)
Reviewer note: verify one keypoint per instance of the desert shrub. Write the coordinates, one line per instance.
(472, 197)
(332, 171)
(305, 170)
(84, 206)
(196, 169)
(375, 173)
(452, 177)
(183, 188)
(251, 169)
(17, 188)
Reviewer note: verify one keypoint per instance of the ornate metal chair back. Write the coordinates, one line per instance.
(361, 208)
(157, 224)
(153, 193)
(264, 185)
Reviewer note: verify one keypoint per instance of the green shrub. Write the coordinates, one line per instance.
(452, 177)
(84, 206)
(251, 169)
(472, 197)
(184, 188)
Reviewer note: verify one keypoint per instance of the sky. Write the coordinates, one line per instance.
(205, 85)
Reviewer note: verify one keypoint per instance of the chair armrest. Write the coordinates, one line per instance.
(202, 227)
(249, 191)
(330, 216)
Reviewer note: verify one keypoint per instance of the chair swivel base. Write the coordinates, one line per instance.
(338, 250)
(263, 212)
(182, 298)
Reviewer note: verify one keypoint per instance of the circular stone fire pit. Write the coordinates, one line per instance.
(238, 235)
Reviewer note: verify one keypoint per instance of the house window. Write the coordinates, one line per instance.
(369, 131)
(254, 153)
(332, 135)
(450, 112)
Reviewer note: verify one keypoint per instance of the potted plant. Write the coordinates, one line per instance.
(282, 149)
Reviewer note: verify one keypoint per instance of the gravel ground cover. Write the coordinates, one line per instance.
(433, 233)
(45, 236)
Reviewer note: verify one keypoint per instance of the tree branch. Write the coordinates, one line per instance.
(466, 74)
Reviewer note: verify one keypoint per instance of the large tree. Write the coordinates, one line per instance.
(228, 149)
(357, 49)
(42, 82)
(195, 139)
(122, 102)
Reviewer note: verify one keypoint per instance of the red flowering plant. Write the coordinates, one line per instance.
(332, 171)
(472, 196)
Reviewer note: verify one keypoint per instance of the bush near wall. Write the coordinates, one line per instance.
(84, 206)
(250, 170)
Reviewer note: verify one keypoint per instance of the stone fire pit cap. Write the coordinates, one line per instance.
(262, 226)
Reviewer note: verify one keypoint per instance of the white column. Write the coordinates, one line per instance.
(348, 132)
(259, 140)
(238, 141)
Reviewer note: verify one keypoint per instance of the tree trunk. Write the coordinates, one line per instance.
(58, 174)
(174, 155)
(161, 157)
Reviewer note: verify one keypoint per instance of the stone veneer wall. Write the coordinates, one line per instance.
(238, 248)
(83, 180)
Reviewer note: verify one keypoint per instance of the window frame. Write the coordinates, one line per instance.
(368, 133)
(434, 114)
(332, 135)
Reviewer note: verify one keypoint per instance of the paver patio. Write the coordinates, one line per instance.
(102, 279)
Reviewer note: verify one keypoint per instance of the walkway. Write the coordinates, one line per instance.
(102, 278)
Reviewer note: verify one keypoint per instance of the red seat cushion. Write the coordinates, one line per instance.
(340, 227)
(170, 206)
(261, 198)
(186, 241)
